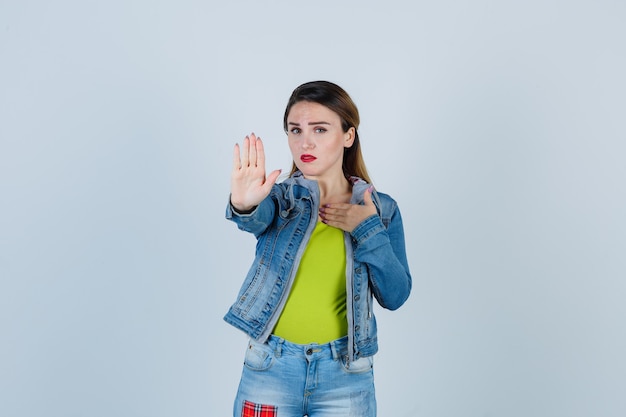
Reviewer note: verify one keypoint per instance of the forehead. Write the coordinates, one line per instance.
(311, 111)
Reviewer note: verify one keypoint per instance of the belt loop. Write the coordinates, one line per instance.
(333, 349)
(279, 347)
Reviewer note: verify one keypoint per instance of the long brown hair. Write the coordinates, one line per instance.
(336, 99)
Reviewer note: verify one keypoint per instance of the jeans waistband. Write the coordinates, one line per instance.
(334, 349)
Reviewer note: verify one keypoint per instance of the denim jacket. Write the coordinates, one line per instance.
(376, 263)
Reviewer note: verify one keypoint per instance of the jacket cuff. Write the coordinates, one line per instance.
(367, 228)
(231, 211)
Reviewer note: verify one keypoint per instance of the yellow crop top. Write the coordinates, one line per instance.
(316, 307)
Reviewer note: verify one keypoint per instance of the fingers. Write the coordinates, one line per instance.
(252, 157)
(236, 158)
(271, 178)
(250, 154)
(259, 154)
(347, 216)
(334, 212)
(245, 152)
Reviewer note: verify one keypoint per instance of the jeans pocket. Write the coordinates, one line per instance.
(259, 356)
(358, 366)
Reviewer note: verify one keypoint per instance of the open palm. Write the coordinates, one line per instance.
(248, 184)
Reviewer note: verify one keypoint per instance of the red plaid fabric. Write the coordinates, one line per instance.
(258, 410)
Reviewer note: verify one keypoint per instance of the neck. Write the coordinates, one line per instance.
(336, 190)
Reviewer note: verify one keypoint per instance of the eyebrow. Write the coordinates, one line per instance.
(310, 124)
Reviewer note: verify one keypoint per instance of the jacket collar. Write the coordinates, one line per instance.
(359, 185)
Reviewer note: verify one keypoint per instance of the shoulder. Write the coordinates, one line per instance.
(385, 198)
(387, 203)
(387, 209)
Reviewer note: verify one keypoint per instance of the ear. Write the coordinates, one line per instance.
(350, 135)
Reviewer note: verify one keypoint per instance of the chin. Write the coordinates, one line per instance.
(308, 170)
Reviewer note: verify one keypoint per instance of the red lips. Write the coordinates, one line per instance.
(307, 158)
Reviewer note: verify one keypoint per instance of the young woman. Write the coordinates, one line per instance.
(327, 243)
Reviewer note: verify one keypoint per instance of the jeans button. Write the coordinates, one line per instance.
(309, 351)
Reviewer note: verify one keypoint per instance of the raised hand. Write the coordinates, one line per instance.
(248, 183)
(347, 216)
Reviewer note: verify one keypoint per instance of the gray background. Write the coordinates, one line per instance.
(497, 125)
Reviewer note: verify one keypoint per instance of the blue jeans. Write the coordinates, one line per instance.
(306, 380)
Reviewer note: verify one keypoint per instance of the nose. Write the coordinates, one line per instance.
(307, 142)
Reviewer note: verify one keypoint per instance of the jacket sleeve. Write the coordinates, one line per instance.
(255, 222)
(383, 251)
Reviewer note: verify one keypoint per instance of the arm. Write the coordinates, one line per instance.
(257, 220)
(383, 251)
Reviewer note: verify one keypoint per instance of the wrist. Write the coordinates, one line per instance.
(241, 209)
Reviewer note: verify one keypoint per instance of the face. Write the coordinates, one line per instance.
(316, 140)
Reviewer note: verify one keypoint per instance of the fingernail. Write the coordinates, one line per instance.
(371, 188)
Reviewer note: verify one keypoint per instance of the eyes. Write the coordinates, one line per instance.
(297, 130)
